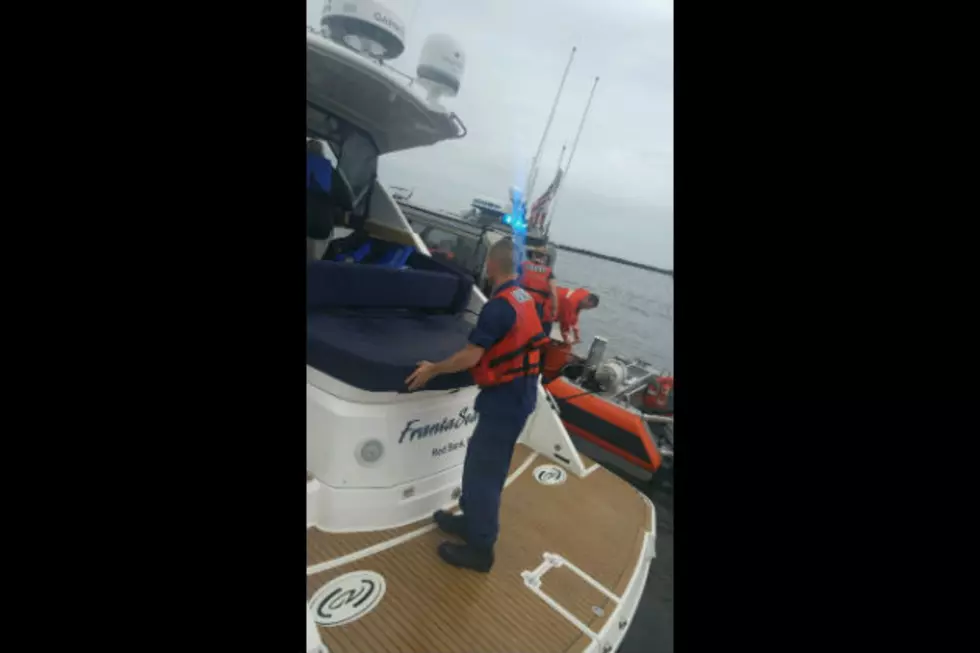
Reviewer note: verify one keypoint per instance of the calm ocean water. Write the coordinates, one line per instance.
(635, 312)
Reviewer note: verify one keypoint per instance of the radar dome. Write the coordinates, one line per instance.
(365, 26)
(441, 66)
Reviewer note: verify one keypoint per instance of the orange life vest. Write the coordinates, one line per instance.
(442, 252)
(568, 305)
(658, 393)
(535, 279)
(518, 353)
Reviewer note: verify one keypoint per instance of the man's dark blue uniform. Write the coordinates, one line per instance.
(506, 329)
(503, 411)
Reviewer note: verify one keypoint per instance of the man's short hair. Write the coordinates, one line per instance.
(502, 252)
(593, 299)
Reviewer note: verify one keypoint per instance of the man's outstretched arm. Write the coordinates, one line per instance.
(464, 359)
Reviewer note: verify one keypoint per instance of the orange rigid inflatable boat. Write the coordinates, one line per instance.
(614, 404)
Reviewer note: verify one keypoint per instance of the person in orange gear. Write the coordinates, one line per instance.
(570, 304)
(504, 356)
(538, 279)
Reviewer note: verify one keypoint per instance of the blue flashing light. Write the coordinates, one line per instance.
(515, 221)
(516, 218)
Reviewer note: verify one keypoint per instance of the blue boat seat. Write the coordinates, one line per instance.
(369, 325)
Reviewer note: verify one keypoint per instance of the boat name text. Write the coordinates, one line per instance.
(384, 20)
(448, 448)
(415, 431)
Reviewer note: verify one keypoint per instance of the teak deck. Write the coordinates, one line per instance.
(597, 523)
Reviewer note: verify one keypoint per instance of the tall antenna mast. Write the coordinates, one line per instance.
(532, 175)
(561, 157)
(571, 157)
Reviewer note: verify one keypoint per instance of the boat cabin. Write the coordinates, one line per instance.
(485, 211)
(378, 113)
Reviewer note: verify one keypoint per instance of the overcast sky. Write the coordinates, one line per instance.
(618, 197)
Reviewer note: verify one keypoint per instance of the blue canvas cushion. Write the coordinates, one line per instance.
(366, 250)
(370, 325)
(332, 285)
(420, 261)
(378, 350)
(376, 253)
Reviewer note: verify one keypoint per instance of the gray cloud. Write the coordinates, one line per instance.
(618, 197)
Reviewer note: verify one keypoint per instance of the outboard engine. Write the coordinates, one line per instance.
(610, 376)
(593, 362)
(596, 351)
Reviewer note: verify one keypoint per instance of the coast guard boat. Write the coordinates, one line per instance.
(576, 541)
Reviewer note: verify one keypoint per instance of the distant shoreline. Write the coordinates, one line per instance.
(614, 259)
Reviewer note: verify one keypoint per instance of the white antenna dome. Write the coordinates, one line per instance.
(364, 26)
(441, 66)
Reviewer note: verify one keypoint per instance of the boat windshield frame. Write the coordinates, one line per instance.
(356, 154)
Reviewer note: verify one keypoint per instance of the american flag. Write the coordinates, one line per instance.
(539, 210)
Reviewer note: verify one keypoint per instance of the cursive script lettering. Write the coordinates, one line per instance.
(415, 431)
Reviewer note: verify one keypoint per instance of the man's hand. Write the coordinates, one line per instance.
(422, 374)
(464, 359)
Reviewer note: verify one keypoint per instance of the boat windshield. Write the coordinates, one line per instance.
(355, 153)
(358, 162)
(486, 217)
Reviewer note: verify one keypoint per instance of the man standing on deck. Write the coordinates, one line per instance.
(538, 279)
(504, 357)
(570, 304)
